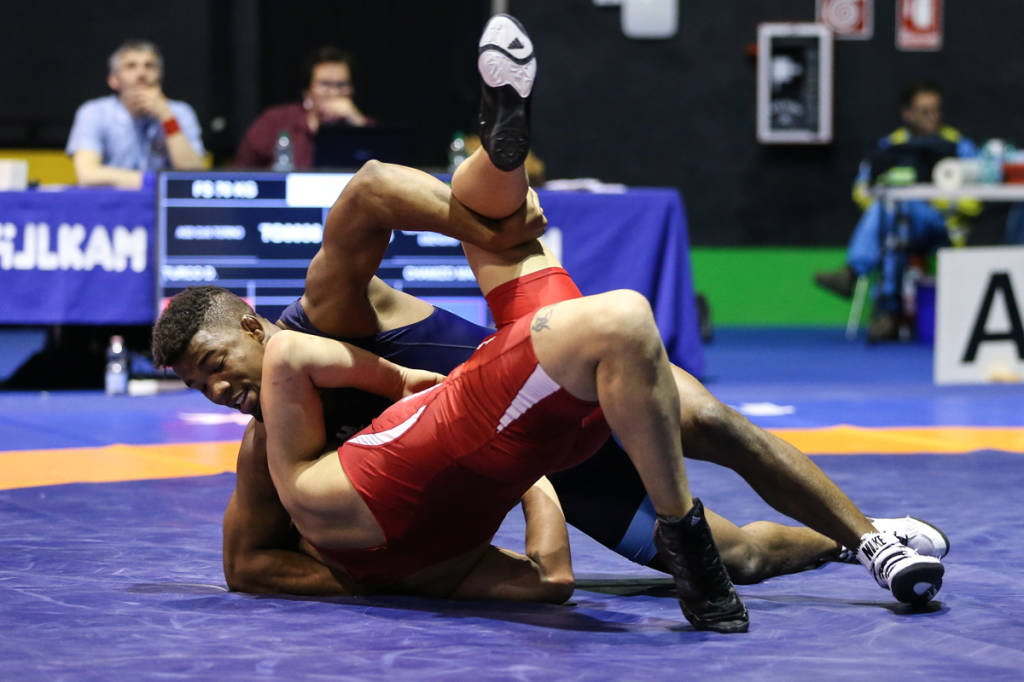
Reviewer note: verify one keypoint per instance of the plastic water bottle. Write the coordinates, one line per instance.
(115, 380)
(456, 151)
(284, 153)
(992, 157)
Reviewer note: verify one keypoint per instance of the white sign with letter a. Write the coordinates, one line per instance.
(979, 323)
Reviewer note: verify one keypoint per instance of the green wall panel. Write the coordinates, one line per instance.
(768, 286)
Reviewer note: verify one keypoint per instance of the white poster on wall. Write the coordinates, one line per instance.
(919, 25)
(979, 324)
(794, 83)
(847, 19)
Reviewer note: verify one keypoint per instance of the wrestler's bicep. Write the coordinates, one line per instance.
(503, 574)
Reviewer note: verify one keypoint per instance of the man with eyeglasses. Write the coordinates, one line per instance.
(327, 99)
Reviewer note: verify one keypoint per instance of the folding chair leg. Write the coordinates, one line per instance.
(860, 295)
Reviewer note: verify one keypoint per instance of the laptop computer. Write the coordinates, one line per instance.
(345, 146)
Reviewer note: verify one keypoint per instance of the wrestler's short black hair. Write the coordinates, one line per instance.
(326, 54)
(188, 312)
(914, 89)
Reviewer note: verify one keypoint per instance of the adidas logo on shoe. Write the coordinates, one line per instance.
(505, 33)
(506, 55)
(507, 72)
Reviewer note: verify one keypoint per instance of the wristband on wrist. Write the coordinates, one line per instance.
(171, 126)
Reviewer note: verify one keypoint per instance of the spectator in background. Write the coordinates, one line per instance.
(116, 139)
(919, 143)
(326, 99)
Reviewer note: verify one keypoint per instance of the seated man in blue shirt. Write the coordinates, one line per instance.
(116, 139)
(920, 142)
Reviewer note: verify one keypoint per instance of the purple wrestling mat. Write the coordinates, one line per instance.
(123, 580)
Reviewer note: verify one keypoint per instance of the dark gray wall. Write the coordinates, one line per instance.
(682, 111)
(55, 57)
(677, 112)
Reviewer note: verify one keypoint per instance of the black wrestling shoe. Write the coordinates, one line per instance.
(507, 70)
(884, 326)
(841, 282)
(706, 594)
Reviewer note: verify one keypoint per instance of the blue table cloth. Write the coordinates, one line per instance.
(87, 256)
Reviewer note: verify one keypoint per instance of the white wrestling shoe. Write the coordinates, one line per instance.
(508, 69)
(921, 536)
(911, 577)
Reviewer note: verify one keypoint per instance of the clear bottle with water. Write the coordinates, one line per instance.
(993, 155)
(115, 379)
(284, 153)
(456, 151)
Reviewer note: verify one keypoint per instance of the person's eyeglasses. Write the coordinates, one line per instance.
(340, 86)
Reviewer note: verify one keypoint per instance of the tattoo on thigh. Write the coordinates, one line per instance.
(541, 319)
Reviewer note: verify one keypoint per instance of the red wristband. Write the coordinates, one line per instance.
(171, 126)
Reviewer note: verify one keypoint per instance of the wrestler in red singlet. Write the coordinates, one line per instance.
(442, 468)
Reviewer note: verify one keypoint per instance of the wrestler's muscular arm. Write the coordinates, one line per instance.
(263, 552)
(379, 198)
(314, 490)
(261, 547)
(544, 574)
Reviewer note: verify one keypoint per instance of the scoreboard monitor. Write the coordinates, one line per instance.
(254, 233)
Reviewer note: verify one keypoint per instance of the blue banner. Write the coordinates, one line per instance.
(87, 256)
(76, 257)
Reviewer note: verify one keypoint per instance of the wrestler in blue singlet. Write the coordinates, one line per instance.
(603, 497)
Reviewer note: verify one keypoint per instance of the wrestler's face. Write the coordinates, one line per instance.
(226, 364)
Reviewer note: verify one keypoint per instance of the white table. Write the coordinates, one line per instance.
(890, 196)
(926, 192)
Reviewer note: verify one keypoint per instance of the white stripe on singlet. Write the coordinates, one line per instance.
(537, 387)
(382, 437)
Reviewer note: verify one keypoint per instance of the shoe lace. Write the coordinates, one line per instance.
(886, 561)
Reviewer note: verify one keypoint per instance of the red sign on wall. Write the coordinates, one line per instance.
(919, 25)
(847, 19)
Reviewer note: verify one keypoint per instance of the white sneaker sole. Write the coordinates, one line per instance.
(506, 55)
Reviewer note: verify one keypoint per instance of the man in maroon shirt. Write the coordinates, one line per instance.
(327, 99)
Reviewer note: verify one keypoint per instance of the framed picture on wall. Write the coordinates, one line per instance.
(794, 83)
